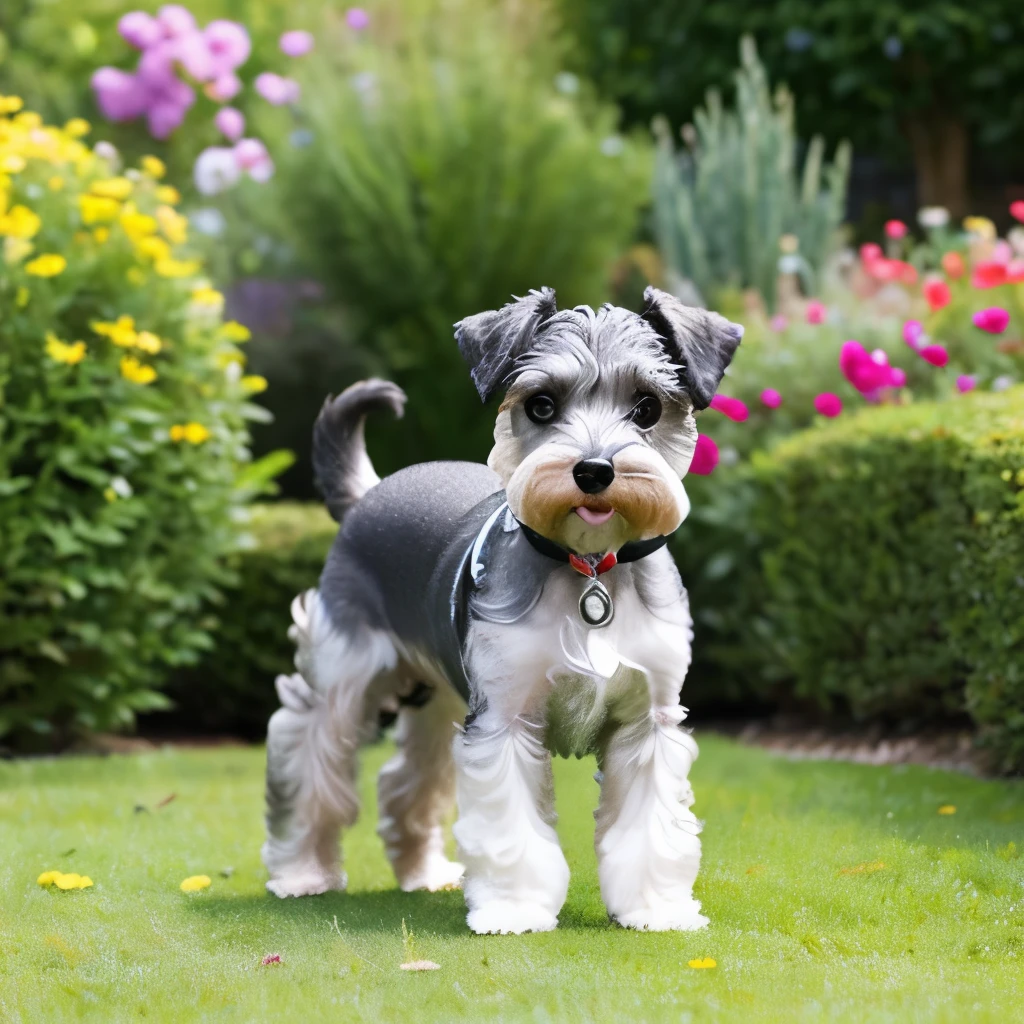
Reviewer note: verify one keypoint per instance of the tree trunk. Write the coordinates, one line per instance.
(940, 142)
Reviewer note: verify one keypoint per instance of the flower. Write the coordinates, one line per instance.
(121, 332)
(868, 372)
(216, 170)
(937, 294)
(136, 372)
(230, 123)
(815, 312)
(704, 964)
(913, 331)
(193, 433)
(20, 222)
(228, 43)
(63, 881)
(140, 30)
(49, 264)
(778, 323)
(933, 217)
(112, 188)
(982, 227)
(208, 298)
(148, 342)
(194, 883)
(154, 166)
(177, 268)
(770, 398)
(935, 354)
(61, 352)
(119, 95)
(10, 104)
(252, 156)
(97, 209)
(731, 407)
(1017, 209)
(271, 958)
(175, 20)
(989, 274)
(168, 195)
(173, 225)
(953, 265)
(357, 19)
(947, 809)
(965, 383)
(16, 249)
(77, 127)
(994, 320)
(276, 89)
(828, 404)
(254, 384)
(895, 229)
(705, 456)
(224, 87)
(296, 43)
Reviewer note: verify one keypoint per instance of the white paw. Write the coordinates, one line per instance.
(434, 874)
(510, 917)
(669, 917)
(306, 883)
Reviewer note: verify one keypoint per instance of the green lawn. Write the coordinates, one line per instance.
(927, 926)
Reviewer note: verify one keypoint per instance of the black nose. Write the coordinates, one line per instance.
(593, 475)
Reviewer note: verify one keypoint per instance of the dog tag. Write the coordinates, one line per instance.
(596, 605)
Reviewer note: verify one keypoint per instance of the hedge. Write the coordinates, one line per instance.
(871, 567)
(232, 690)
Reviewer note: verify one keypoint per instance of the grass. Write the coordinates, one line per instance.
(835, 891)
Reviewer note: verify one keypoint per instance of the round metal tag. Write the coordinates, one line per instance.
(596, 605)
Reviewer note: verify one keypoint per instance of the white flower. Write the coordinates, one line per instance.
(121, 487)
(933, 216)
(216, 170)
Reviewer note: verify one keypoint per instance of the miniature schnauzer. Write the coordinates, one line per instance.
(537, 592)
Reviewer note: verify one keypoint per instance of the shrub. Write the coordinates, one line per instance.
(231, 690)
(123, 439)
(872, 567)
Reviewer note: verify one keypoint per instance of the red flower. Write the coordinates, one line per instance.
(705, 456)
(989, 274)
(953, 265)
(1017, 210)
(937, 294)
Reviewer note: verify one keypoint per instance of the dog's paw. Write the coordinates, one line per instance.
(510, 917)
(306, 883)
(671, 917)
(434, 874)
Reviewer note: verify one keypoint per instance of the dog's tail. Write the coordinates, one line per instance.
(343, 470)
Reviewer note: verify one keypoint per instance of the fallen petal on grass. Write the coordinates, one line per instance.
(947, 809)
(271, 958)
(863, 869)
(194, 883)
(703, 965)
(421, 965)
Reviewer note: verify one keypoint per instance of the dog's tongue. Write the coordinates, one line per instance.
(592, 518)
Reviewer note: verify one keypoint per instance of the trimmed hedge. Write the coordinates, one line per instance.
(232, 691)
(872, 566)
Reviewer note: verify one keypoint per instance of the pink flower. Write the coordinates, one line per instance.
(140, 30)
(224, 87)
(994, 320)
(965, 383)
(815, 312)
(230, 123)
(912, 333)
(778, 323)
(296, 43)
(1017, 209)
(895, 229)
(276, 89)
(229, 44)
(163, 118)
(732, 407)
(193, 53)
(252, 156)
(897, 377)
(868, 372)
(771, 398)
(870, 251)
(937, 294)
(118, 94)
(175, 20)
(156, 66)
(828, 404)
(935, 354)
(271, 958)
(705, 456)
(357, 19)
(1015, 271)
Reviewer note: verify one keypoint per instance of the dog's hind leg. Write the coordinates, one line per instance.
(416, 788)
(312, 743)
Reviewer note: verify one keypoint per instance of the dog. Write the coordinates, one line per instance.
(533, 601)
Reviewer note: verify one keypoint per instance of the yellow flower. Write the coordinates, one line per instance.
(194, 433)
(101, 234)
(56, 183)
(21, 297)
(96, 209)
(63, 881)
(153, 248)
(61, 352)
(50, 264)
(110, 494)
(703, 965)
(136, 372)
(154, 166)
(226, 359)
(16, 249)
(234, 331)
(254, 384)
(177, 268)
(168, 194)
(172, 224)
(20, 222)
(28, 119)
(148, 342)
(77, 127)
(947, 809)
(121, 332)
(194, 883)
(12, 163)
(137, 225)
(112, 188)
(980, 226)
(208, 297)
(10, 104)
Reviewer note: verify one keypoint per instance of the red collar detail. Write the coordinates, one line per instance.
(590, 567)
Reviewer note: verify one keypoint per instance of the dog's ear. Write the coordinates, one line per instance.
(491, 342)
(701, 342)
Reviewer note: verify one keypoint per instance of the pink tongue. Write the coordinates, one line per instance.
(592, 518)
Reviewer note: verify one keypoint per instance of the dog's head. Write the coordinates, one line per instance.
(597, 429)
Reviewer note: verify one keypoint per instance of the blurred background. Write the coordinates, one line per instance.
(215, 213)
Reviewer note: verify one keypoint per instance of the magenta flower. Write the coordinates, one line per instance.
(778, 323)
(895, 229)
(229, 44)
(296, 43)
(230, 123)
(276, 89)
(1017, 209)
(771, 398)
(175, 20)
(868, 372)
(357, 19)
(870, 252)
(705, 456)
(913, 331)
(164, 117)
(732, 407)
(897, 377)
(935, 354)
(118, 94)
(815, 312)
(965, 382)
(224, 87)
(156, 66)
(139, 29)
(828, 404)
(994, 320)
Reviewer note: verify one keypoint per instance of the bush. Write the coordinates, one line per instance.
(123, 439)
(231, 691)
(872, 567)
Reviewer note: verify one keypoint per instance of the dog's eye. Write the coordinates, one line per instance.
(646, 412)
(540, 408)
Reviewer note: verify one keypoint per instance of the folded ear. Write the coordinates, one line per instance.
(491, 342)
(701, 342)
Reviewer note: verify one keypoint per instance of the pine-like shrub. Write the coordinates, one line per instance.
(124, 459)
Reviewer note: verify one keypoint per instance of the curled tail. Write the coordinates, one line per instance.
(343, 470)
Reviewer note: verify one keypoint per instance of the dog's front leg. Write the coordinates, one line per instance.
(516, 876)
(647, 841)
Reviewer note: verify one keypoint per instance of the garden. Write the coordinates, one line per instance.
(213, 214)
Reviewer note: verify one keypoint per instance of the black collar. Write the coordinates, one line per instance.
(630, 552)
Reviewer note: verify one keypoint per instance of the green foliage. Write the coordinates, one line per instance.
(871, 567)
(231, 690)
(123, 441)
(446, 172)
(721, 208)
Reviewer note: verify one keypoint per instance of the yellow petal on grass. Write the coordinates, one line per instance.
(703, 965)
(194, 883)
(48, 877)
(72, 881)
(863, 869)
(947, 809)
